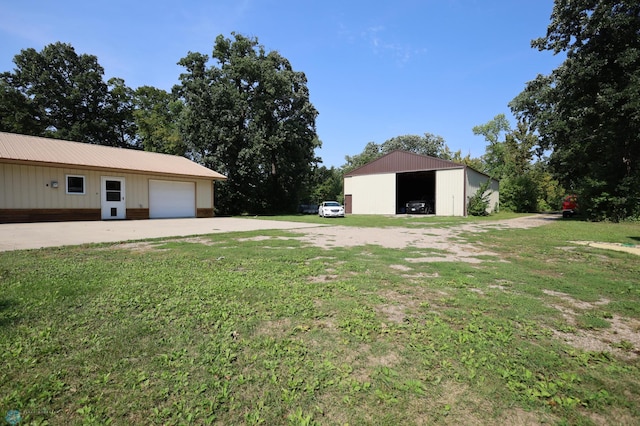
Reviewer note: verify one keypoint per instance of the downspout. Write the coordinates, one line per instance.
(464, 193)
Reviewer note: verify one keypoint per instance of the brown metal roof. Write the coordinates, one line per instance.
(53, 152)
(404, 161)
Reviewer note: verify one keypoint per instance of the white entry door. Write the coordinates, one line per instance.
(112, 198)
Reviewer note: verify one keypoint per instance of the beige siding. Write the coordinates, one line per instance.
(474, 180)
(204, 194)
(29, 187)
(372, 194)
(450, 192)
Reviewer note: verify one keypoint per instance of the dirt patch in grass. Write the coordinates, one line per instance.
(197, 240)
(627, 248)
(420, 276)
(621, 338)
(457, 404)
(393, 313)
(148, 246)
(400, 267)
(388, 360)
(274, 328)
(406, 300)
(520, 417)
(614, 417)
(323, 278)
(448, 242)
(140, 246)
(265, 238)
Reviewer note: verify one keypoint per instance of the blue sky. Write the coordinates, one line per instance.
(375, 70)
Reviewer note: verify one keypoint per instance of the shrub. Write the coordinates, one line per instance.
(479, 202)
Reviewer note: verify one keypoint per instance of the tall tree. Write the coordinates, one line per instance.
(249, 116)
(494, 157)
(156, 114)
(117, 115)
(525, 182)
(474, 162)
(326, 184)
(587, 111)
(370, 152)
(61, 94)
(428, 144)
(18, 113)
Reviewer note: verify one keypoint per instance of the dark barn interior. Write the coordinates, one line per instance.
(415, 186)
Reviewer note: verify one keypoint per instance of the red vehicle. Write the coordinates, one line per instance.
(570, 205)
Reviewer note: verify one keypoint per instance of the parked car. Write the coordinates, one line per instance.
(419, 206)
(307, 208)
(570, 205)
(331, 209)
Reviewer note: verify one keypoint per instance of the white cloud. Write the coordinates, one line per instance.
(401, 53)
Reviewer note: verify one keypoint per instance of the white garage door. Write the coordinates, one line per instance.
(171, 199)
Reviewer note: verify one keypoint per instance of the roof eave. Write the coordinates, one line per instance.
(100, 168)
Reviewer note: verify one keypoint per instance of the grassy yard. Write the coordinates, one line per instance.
(374, 221)
(261, 328)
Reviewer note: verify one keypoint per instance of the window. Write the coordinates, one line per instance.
(75, 184)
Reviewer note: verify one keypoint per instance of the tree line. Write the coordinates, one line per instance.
(246, 113)
(243, 112)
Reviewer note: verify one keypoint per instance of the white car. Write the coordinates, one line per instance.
(331, 209)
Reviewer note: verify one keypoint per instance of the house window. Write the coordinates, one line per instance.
(75, 184)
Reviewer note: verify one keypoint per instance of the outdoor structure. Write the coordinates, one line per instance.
(44, 179)
(386, 185)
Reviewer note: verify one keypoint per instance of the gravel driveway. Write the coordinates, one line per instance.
(18, 236)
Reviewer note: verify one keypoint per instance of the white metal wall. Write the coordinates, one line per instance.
(474, 180)
(450, 192)
(376, 194)
(372, 194)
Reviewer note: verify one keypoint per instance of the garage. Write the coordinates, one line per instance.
(51, 180)
(171, 199)
(387, 184)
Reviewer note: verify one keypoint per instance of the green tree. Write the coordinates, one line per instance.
(58, 93)
(428, 144)
(525, 182)
(326, 184)
(18, 113)
(371, 152)
(249, 117)
(494, 157)
(156, 115)
(117, 114)
(474, 162)
(587, 111)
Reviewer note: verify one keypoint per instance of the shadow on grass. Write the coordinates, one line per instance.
(8, 314)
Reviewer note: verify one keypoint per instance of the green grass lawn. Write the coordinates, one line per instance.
(231, 329)
(374, 221)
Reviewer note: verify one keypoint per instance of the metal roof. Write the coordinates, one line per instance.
(34, 150)
(403, 161)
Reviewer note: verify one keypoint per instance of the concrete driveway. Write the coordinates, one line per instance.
(19, 236)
